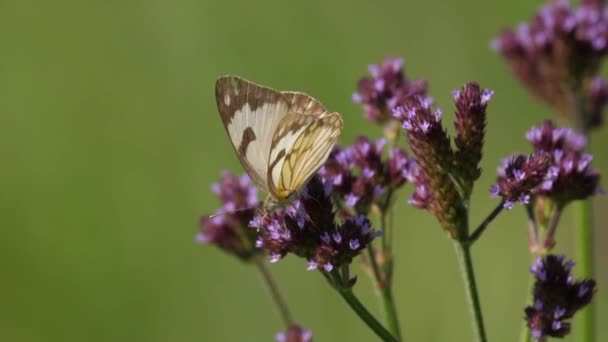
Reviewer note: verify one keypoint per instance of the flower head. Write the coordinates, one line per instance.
(573, 179)
(386, 89)
(557, 297)
(294, 333)
(360, 175)
(436, 190)
(520, 177)
(228, 228)
(471, 102)
(307, 228)
(558, 52)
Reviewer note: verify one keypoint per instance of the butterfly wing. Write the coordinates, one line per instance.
(303, 103)
(251, 114)
(300, 146)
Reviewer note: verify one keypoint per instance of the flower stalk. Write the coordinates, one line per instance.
(344, 288)
(468, 275)
(584, 256)
(274, 291)
(583, 238)
(482, 227)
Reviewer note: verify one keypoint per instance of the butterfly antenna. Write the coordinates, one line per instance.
(230, 212)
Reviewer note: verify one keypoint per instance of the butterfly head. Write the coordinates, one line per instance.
(271, 203)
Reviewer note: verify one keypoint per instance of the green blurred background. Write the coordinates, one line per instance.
(110, 139)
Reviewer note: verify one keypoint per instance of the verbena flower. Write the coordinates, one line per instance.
(386, 90)
(361, 177)
(228, 228)
(471, 103)
(294, 333)
(520, 177)
(307, 228)
(444, 176)
(557, 297)
(574, 178)
(435, 189)
(558, 53)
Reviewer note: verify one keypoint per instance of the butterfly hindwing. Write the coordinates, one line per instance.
(302, 144)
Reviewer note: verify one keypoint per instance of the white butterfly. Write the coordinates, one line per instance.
(280, 137)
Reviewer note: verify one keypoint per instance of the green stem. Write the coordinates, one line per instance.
(482, 227)
(272, 287)
(583, 213)
(390, 311)
(377, 276)
(365, 315)
(525, 335)
(383, 289)
(468, 275)
(584, 260)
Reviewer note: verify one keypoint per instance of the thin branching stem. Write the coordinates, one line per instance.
(482, 227)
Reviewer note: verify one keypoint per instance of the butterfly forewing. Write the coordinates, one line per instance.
(251, 114)
(303, 103)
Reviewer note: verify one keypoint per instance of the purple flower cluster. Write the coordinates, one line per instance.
(559, 169)
(471, 103)
(520, 177)
(444, 176)
(574, 178)
(361, 177)
(307, 228)
(558, 52)
(557, 297)
(228, 228)
(435, 190)
(294, 333)
(386, 90)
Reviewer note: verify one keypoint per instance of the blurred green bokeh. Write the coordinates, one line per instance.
(110, 139)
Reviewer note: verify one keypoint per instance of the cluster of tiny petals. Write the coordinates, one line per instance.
(549, 138)
(574, 178)
(417, 116)
(361, 176)
(432, 172)
(586, 25)
(235, 192)
(471, 103)
(386, 89)
(227, 228)
(559, 51)
(307, 228)
(557, 296)
(294, 333)
(520, 177)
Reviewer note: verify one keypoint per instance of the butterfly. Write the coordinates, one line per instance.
(281, 137)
